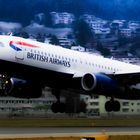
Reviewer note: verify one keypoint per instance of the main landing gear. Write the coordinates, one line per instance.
(58, 106)
(112, 105)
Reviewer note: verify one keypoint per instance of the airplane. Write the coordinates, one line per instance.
(26, 66)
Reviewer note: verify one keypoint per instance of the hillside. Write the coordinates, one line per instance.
(24, 10)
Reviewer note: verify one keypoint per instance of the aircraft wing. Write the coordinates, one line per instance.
(127, 77)
(123, 77)
(78, 75)
(127, 72)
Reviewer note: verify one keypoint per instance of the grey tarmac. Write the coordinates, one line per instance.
(66, 131)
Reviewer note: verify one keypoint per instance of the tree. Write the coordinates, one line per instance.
(104, 51)
(23, 34)
(40, 37)
(123, 40)
(54, 40)
(82, 32)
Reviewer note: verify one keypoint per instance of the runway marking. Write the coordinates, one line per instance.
(65, 135)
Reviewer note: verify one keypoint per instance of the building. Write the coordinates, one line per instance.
(97, 27)
(96, 107)
(133, 25)
(93, 105)
(96, 24)
(11, 107)
(117, 23)
(62, 18)
(126, 32)
(78, 48)
(105, 31)
(89, 18)
(65, 42)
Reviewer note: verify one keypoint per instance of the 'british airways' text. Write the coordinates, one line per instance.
(47, 59)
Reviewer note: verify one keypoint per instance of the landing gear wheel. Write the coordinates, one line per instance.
(58, 107)
(112, 106)
(116, 106)
(108, 106)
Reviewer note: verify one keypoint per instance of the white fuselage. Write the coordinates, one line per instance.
(56, 58)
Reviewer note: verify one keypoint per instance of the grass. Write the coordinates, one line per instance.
(79, 122)
(83, 122)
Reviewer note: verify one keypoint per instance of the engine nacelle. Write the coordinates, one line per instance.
(21, 88)
(13, 83)
(99, 82)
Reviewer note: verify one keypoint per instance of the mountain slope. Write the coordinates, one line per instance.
(24, 10)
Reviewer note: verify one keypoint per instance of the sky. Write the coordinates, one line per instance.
(24, 10)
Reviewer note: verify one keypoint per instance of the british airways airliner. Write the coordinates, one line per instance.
(26, 66)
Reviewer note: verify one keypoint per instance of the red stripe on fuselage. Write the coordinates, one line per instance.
(23, 44)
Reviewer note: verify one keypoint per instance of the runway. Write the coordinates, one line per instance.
(66, 131)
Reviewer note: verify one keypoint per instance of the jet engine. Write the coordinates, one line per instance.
(20, 88)
(98, 82)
